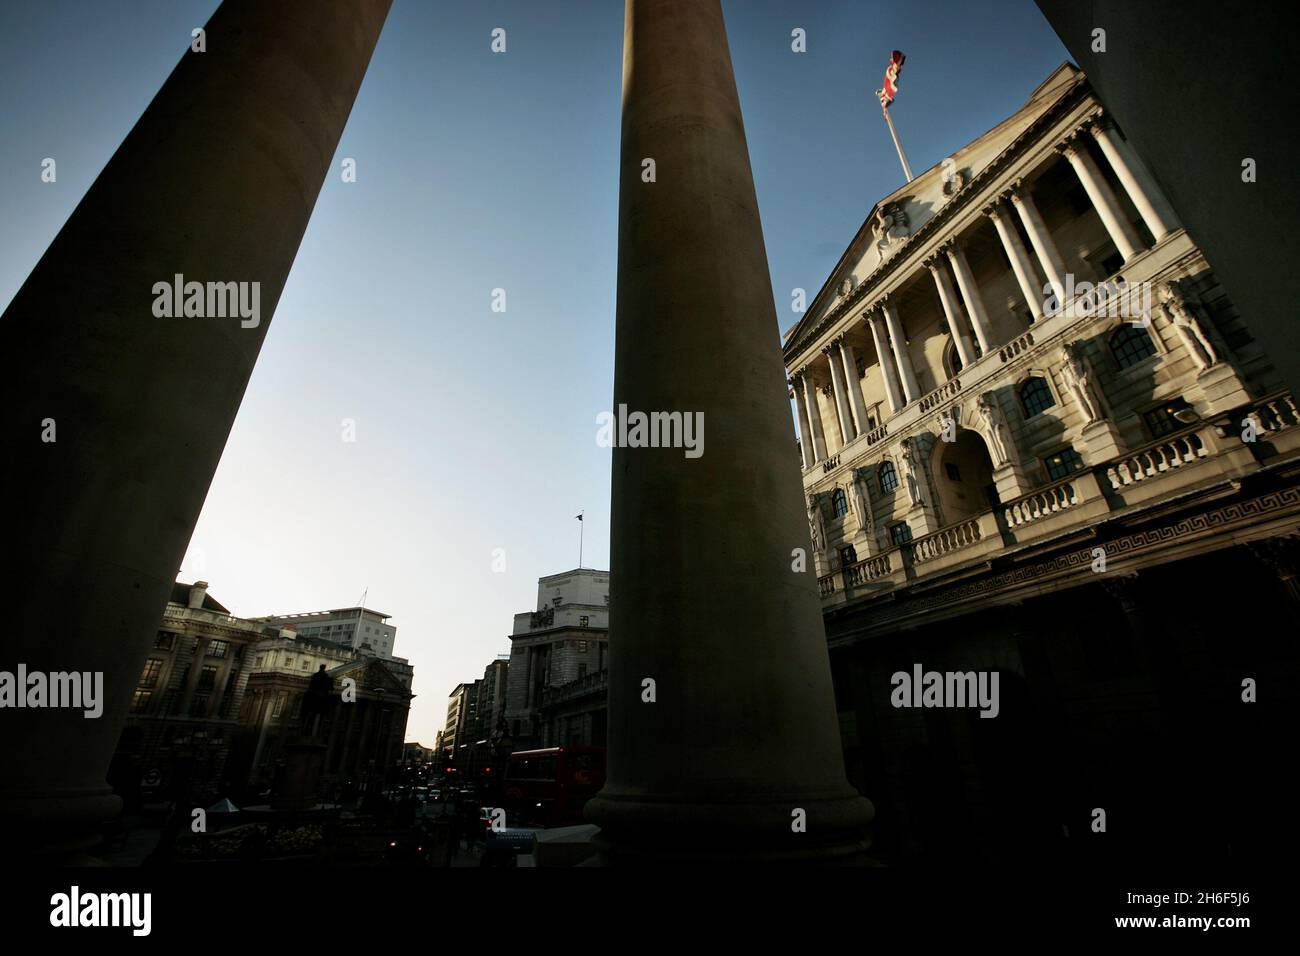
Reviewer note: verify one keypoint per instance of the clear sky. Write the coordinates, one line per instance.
(476, 430)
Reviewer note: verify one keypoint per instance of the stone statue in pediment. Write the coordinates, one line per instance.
(890, 228)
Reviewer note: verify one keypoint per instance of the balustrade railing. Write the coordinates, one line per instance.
(856, 575)
(876, 434)
(944, 541)
(1016, 346)
(941, 394)
(1040, 504)
(1275, 413)
(1159, 457)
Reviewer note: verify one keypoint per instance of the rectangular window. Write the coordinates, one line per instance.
(900, 533)
(152, 668)
(217, 648)
(1064, 462)
(207, 678)
(164, 641)
(848, 556)
(1160, 421)
(583, 621)
(140, 701)
(199, 705)
(952, 471)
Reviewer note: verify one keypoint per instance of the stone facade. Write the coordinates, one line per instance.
(564, 640)
(1006, 469)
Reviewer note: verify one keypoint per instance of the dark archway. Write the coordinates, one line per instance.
(963, 476)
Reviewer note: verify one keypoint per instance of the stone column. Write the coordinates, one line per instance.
(805, 429)
(970, 294)
(874, 321)
(1019, 256)
(817, 432)
(856, 405)
(898, 341)
(215, 183)
(948, 298)
(701, 577)
(1133, 176)
(832, 354)
(1121, 231)
(1049, 257)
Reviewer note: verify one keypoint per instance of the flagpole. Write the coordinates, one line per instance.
(580, 528)
(902, 157)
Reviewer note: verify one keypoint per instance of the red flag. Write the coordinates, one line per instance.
(887, 93)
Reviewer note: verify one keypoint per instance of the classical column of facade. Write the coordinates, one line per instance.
(699, 576)
(1019, 256)
(892, 393)
(1133, 176)
(1103, 198)
(948, 298)
(970, 294)
(847, 434)
(856, 404)
(902, 358)
(215, 183)
(816, 434)
(806, 451)
(1049, 257)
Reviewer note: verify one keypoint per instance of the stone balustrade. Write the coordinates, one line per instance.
(1157, 458)
(1040, 504)
(1017, 345)
(943, 542)
(856, 575)
(947, 390)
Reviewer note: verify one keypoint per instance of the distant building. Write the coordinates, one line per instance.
(356, 627)
(185, 708)
(566, 639)
(460, 707)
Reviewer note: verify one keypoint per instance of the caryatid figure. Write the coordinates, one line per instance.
(862, 500)
(815, 525)
(1078, 382)
(1189, 329)
(912, 469)
(995, 427)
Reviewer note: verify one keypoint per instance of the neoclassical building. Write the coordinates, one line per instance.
(1037, 437)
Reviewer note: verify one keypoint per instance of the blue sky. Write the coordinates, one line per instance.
(475, 430)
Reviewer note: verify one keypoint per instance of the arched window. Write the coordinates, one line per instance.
(888, 477)
(1130, 345)
(839, 503)
(952, 359)
(1035, 396)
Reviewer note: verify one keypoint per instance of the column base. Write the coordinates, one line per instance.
(56, 827)
(635, 831)
(1101, 441)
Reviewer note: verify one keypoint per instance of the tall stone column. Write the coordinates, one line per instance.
(832, 353)
(898, 342)
(1103, 198)
(1049, 257)
(1133, 177)
(875, 321)
(816, 432)
(856, 405)
(806, 451)
(215, 183)
(741, 740)
(948, 299)
(1019, 256)
(970, 294)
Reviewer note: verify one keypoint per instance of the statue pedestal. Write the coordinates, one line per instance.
(296, 783)
(1101, 442)
(1217, 389)
(1010, 482)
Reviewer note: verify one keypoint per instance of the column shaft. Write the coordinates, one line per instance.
(886, 361)
(948, 299)
(1019, 256)
(816, 432)
(851, 385)
(1049, 257)
(216, 183)
(841, 399)
(970, 294)
(700, 576)
(1134, 178)
(806, 450)
(1103, 198)
(904, 359)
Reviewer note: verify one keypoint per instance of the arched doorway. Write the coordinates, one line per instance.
(963, 476)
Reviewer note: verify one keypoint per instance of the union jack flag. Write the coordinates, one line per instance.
(887, 93)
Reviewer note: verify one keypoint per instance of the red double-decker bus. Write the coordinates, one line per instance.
(549, 787)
